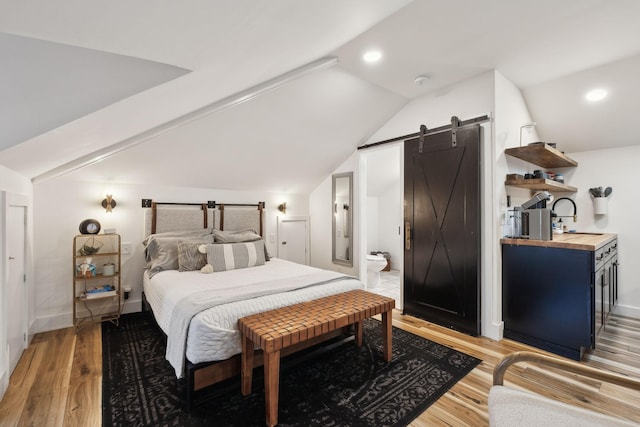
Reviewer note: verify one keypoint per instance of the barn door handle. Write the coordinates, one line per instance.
(284, 243)
(10, 258)
(407, 235)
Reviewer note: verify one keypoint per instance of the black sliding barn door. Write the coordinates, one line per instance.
(442, 221)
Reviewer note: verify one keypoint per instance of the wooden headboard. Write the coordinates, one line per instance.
(172, 216)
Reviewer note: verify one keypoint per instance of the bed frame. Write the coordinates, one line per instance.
(171, 216)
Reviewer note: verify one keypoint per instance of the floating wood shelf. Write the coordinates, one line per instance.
(542, 155)
(541, 184)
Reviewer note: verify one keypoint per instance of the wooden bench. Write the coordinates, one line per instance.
(278, 329)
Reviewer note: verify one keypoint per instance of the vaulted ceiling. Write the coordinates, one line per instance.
(198, 93)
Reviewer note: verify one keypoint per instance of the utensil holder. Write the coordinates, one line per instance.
(600, 206)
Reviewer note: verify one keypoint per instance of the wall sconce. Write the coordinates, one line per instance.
(109, 203)
(529, 126)
(282, 207)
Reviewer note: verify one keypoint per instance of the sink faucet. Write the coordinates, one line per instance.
(575, 209)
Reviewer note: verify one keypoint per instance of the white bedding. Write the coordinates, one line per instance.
(213, 334)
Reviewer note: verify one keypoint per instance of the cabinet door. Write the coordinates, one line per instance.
(600, 298)
(614, 281)
(606, 302)
(547, 297)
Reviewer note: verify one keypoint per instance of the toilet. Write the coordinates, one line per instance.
(375, 264)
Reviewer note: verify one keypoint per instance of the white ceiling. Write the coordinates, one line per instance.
(295, 135)
(38, 77)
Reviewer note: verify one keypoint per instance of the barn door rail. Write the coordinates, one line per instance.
(453, 126)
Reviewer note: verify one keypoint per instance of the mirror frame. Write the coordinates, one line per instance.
(334, 207)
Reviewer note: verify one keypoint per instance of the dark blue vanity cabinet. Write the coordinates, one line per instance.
(548, 298)
(558, 298)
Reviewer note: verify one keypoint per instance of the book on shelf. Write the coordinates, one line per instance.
(102, 294)
(105, 288)
(99, 292)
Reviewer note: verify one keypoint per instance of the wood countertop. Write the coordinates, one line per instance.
(579, 241)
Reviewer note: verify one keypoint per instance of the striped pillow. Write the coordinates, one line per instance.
(231, 256)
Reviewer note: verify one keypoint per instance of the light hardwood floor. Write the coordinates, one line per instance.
(58, 379)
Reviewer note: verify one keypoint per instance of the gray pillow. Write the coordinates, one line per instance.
(179, 233)
(189, 257)
(231, 256)
(162, 252)
(237, 236)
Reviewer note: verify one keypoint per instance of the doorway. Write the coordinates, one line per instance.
(293, 239)
(13, 291)
(442, 228)
(382, 218)
(16, 289)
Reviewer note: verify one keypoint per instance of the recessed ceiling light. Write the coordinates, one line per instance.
(372, 56)
(596, 95)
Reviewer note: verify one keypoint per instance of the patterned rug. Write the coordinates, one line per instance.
(345, 386)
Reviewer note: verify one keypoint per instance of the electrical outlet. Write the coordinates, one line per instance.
(126, 248)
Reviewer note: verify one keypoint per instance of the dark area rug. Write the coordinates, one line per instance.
(345, 386)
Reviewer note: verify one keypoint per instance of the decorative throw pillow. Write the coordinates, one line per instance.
(162, 253)
(237, 236)
(189, 258)
(201, 232)
(231, 256)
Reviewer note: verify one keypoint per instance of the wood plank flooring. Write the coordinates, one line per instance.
(58, 379)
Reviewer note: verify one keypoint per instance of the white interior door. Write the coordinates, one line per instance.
(293, 240)
(16, 296)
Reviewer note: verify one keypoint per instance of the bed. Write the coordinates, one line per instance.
(197, 309)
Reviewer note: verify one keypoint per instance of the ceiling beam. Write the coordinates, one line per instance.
(222, 104)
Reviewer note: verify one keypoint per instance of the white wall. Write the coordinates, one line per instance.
(321, 211)
(384, 216)
(390, 218)
(615, 168)
(61, 204)
(510, 113)
(12, 183)
(373, 206)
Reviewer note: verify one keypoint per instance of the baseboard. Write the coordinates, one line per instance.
(494, 331)
(132, 306)
(4, 376)
(627, 311)
(31, 331)
(60, 321)
(51, 323)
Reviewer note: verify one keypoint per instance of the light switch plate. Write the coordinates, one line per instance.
(126, 248)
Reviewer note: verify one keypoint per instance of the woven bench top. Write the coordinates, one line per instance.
(280, 328)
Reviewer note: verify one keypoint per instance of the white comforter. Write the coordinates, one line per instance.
(212, 334)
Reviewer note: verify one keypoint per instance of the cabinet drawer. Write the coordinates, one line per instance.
(600, 257)
(605, 253)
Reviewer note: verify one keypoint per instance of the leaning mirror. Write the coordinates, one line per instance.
(342, 250)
